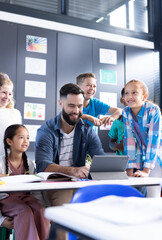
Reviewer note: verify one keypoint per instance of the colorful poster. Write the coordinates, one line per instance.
(32, 131)
(108, 77)
(35, 89)
(34, 111)
(109, 98)
(35, 66)
(36, 44)
(108, 56)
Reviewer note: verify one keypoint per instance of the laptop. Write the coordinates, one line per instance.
(106, 167)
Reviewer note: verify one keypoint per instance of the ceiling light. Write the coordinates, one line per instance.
(99, 20)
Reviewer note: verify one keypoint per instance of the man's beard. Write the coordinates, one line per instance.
(67, 118)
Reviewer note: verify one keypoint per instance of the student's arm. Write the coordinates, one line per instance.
(153, 137)
(129, 172)
(114, 145)
(116, 113)
(94, 120)
(129, 143)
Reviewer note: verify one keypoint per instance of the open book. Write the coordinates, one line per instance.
(56, 176)
(41, 176)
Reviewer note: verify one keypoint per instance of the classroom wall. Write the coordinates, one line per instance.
(67, 56)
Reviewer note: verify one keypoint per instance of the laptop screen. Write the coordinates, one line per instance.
(107, 166)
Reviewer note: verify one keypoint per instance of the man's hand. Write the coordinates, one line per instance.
(8, 223)
(80, 172)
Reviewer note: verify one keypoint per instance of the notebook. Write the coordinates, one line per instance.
(105, 167)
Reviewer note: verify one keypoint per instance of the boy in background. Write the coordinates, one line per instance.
(93, 107)
(116, 133)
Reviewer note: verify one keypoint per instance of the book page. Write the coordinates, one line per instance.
(20, 179)
(56, 176)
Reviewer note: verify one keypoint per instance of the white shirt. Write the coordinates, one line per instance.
(66, 151)
(7, 117)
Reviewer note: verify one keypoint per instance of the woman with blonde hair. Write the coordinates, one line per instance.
(8, 114)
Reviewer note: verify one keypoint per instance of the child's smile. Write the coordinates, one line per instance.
(134, 96)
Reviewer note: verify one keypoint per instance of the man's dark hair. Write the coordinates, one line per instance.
(70, 88)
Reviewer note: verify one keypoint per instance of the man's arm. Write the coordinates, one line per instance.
(80, 172)
(94, 144)
(45, 149)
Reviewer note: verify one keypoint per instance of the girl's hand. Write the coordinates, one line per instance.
(129, 172)
(2, 175)
(8, 223)
(144, 173)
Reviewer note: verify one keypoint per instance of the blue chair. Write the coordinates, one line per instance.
(93, 192)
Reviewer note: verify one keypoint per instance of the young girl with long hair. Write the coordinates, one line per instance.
(142, 130)
(22, 209)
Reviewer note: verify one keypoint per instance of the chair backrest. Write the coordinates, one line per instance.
(90, 193)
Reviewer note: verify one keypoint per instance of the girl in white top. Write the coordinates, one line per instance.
(8, 114)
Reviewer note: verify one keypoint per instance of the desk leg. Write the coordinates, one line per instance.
(57, 232)
(53, 232)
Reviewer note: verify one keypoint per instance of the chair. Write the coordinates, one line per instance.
(93, 192)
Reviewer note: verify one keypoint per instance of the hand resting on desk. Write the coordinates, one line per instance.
(79, 172)
(144, 173)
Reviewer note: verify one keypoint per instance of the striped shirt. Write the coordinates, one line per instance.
(66, 150)
(149, 120)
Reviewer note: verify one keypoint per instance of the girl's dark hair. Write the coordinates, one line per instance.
(10, 132)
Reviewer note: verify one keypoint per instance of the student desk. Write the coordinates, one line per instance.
(45, 186)
(111, 218)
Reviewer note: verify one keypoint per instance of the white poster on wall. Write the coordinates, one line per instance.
(109, 98)
(35, 66)
(35, 89)
(32, 131)
(108, 56)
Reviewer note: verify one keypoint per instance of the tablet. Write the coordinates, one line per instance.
(105, 167)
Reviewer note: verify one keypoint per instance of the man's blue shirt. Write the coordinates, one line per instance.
(48, 140)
